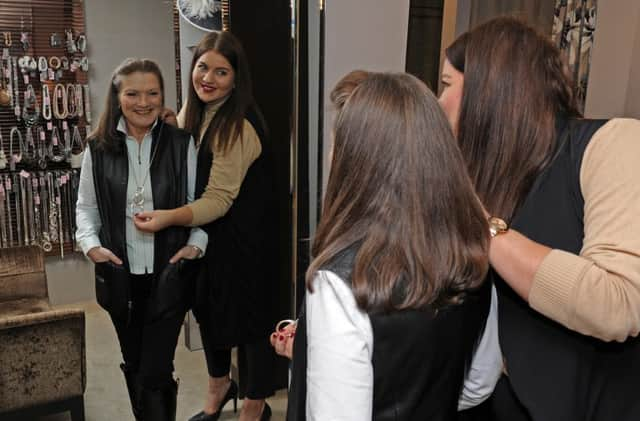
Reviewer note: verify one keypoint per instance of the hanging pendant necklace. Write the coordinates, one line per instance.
(137, 200)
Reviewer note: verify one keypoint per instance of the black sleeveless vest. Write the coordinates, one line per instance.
(235, 284)
(168, 175)
(419, 360)
(558, 374)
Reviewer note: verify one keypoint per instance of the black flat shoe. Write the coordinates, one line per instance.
(232, 393)
(266, 413)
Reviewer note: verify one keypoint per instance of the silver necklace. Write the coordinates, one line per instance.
(137, 200)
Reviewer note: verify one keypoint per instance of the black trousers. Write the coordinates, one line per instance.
(255, 363)
(148, 348)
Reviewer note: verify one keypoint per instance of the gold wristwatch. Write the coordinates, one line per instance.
(497, 226)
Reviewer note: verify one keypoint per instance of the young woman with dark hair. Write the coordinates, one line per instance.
(234, 288)
(134, 163)
(396, 302)
(566, 253)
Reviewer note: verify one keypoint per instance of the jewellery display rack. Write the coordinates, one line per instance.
(45, 115)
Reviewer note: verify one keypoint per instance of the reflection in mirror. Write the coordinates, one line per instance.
(271, 42)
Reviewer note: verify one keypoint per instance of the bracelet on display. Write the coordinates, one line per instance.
(7, 38)
(82, 43)
(71, 45)
(64, 62)
(43, 64)
(54, 62)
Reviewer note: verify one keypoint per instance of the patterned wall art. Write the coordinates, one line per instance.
(574, 26)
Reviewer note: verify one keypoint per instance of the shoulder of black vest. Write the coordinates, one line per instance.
(581, 132)
(256, 122)
(177, 133)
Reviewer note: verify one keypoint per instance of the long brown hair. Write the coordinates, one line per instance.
(229, 119)
(106, 133)
(398, 192)
(515, 86)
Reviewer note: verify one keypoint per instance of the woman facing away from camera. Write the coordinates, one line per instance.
(566, 197)
(234, 288)
(396, 301)
(135, 162)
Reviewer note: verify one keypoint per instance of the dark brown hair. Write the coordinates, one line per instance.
(398, 192)
(229, 119)
(456, 51)
(515, 85)
(106, 133)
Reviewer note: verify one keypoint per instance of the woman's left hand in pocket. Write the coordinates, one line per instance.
(187, 252)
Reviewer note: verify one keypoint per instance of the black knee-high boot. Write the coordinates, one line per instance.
(160, 404)
(134, 388)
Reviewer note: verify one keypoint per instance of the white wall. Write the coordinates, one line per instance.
(117, 29)
(632, 108)
(361, 34)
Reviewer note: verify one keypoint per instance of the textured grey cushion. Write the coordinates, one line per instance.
(43, 358)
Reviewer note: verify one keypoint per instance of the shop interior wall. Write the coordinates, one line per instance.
(633, 91)
(613, 89)
(360, 34)
(117, 29)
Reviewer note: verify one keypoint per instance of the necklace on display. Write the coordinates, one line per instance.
(46, 102)
(30, 102)
(87, 103)
(3, 156)
(72, 109)
(60, 101)
(58, 156)
(137, 200)
(14, 159)
(16, 88)
(78, 97)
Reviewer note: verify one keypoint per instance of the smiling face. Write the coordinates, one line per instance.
(140, 99)
(451, 96)
(213, 77)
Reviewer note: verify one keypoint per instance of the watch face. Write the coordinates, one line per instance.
(497, 226)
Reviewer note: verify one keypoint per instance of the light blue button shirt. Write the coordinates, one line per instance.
(139, 244)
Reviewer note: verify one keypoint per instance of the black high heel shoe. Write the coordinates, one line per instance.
(266, 413)
(232, 393)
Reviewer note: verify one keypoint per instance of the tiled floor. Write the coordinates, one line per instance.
(106, 399)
